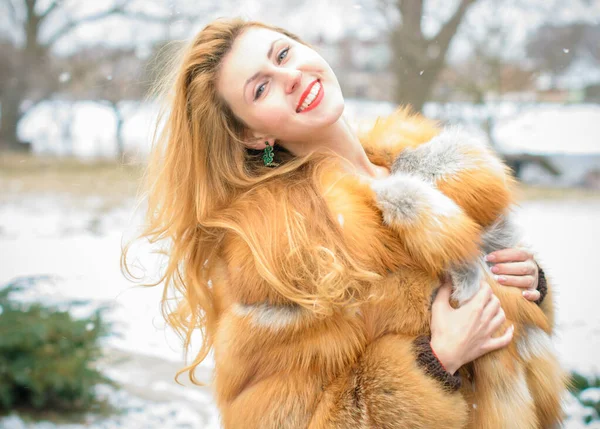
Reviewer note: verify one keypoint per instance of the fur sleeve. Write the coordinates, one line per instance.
(433, 229)
(465, 169)
(460, 165)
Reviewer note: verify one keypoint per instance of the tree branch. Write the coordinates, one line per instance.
(12, 11)
(443, 38)
(117, 10)
(49, 10)
(30, 8)
(412, 12)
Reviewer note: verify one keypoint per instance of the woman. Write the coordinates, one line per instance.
(280, 257)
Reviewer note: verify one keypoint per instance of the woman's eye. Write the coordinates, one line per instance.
(279, 59)
(258, 91)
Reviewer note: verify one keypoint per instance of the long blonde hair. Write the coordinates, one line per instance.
(199, 167)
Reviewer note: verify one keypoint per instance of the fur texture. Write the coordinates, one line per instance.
(454, 156)
(452, 159)
(280, 365)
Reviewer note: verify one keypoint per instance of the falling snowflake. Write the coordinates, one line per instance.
(64, 77)
(566, 51)
(421, 72)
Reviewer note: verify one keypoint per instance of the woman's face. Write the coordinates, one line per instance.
(266, 79)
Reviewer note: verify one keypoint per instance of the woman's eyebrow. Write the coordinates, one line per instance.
(255, 75)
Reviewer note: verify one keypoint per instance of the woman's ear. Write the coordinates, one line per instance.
(254, 141)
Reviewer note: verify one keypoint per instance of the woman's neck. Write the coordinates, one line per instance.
(342, 140)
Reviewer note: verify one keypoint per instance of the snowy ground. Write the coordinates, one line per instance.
(74, 249)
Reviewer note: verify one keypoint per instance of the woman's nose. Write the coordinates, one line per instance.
(294, 79)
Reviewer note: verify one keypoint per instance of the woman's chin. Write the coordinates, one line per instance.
(332, 114)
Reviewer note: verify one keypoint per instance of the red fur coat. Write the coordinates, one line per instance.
(278, 365)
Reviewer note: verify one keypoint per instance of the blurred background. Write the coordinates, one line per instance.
(81, 346)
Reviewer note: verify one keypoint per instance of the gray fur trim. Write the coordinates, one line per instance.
(269, 316)
(444, 156)
(534, 343)
(466, 280)
(404, 199)
(503, 234)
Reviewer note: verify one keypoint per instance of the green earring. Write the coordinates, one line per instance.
(268, 154)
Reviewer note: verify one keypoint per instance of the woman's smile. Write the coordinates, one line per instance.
(311, 97)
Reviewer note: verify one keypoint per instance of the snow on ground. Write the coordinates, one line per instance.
(564, 235)
(141, 414)
(571, 129)
(77, 251)
(73, 253)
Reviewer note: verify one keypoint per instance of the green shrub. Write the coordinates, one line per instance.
(579, 383)
(47, 356)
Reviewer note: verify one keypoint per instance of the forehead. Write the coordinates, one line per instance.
(247, 54)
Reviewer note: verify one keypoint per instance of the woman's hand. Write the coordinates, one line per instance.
(516, 267)
(459, 336)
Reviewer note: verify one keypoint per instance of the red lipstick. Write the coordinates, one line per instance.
(315, 102)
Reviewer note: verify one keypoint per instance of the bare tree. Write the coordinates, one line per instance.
(417, 59)
(555, 47)
(489, 69)
(125, 83)
(32, 75)
(589, 41)
(111, 77)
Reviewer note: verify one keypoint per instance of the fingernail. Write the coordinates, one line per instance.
(490, 257)
(526, 294)
(512, 327)
(495, 277)
(495, 269)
